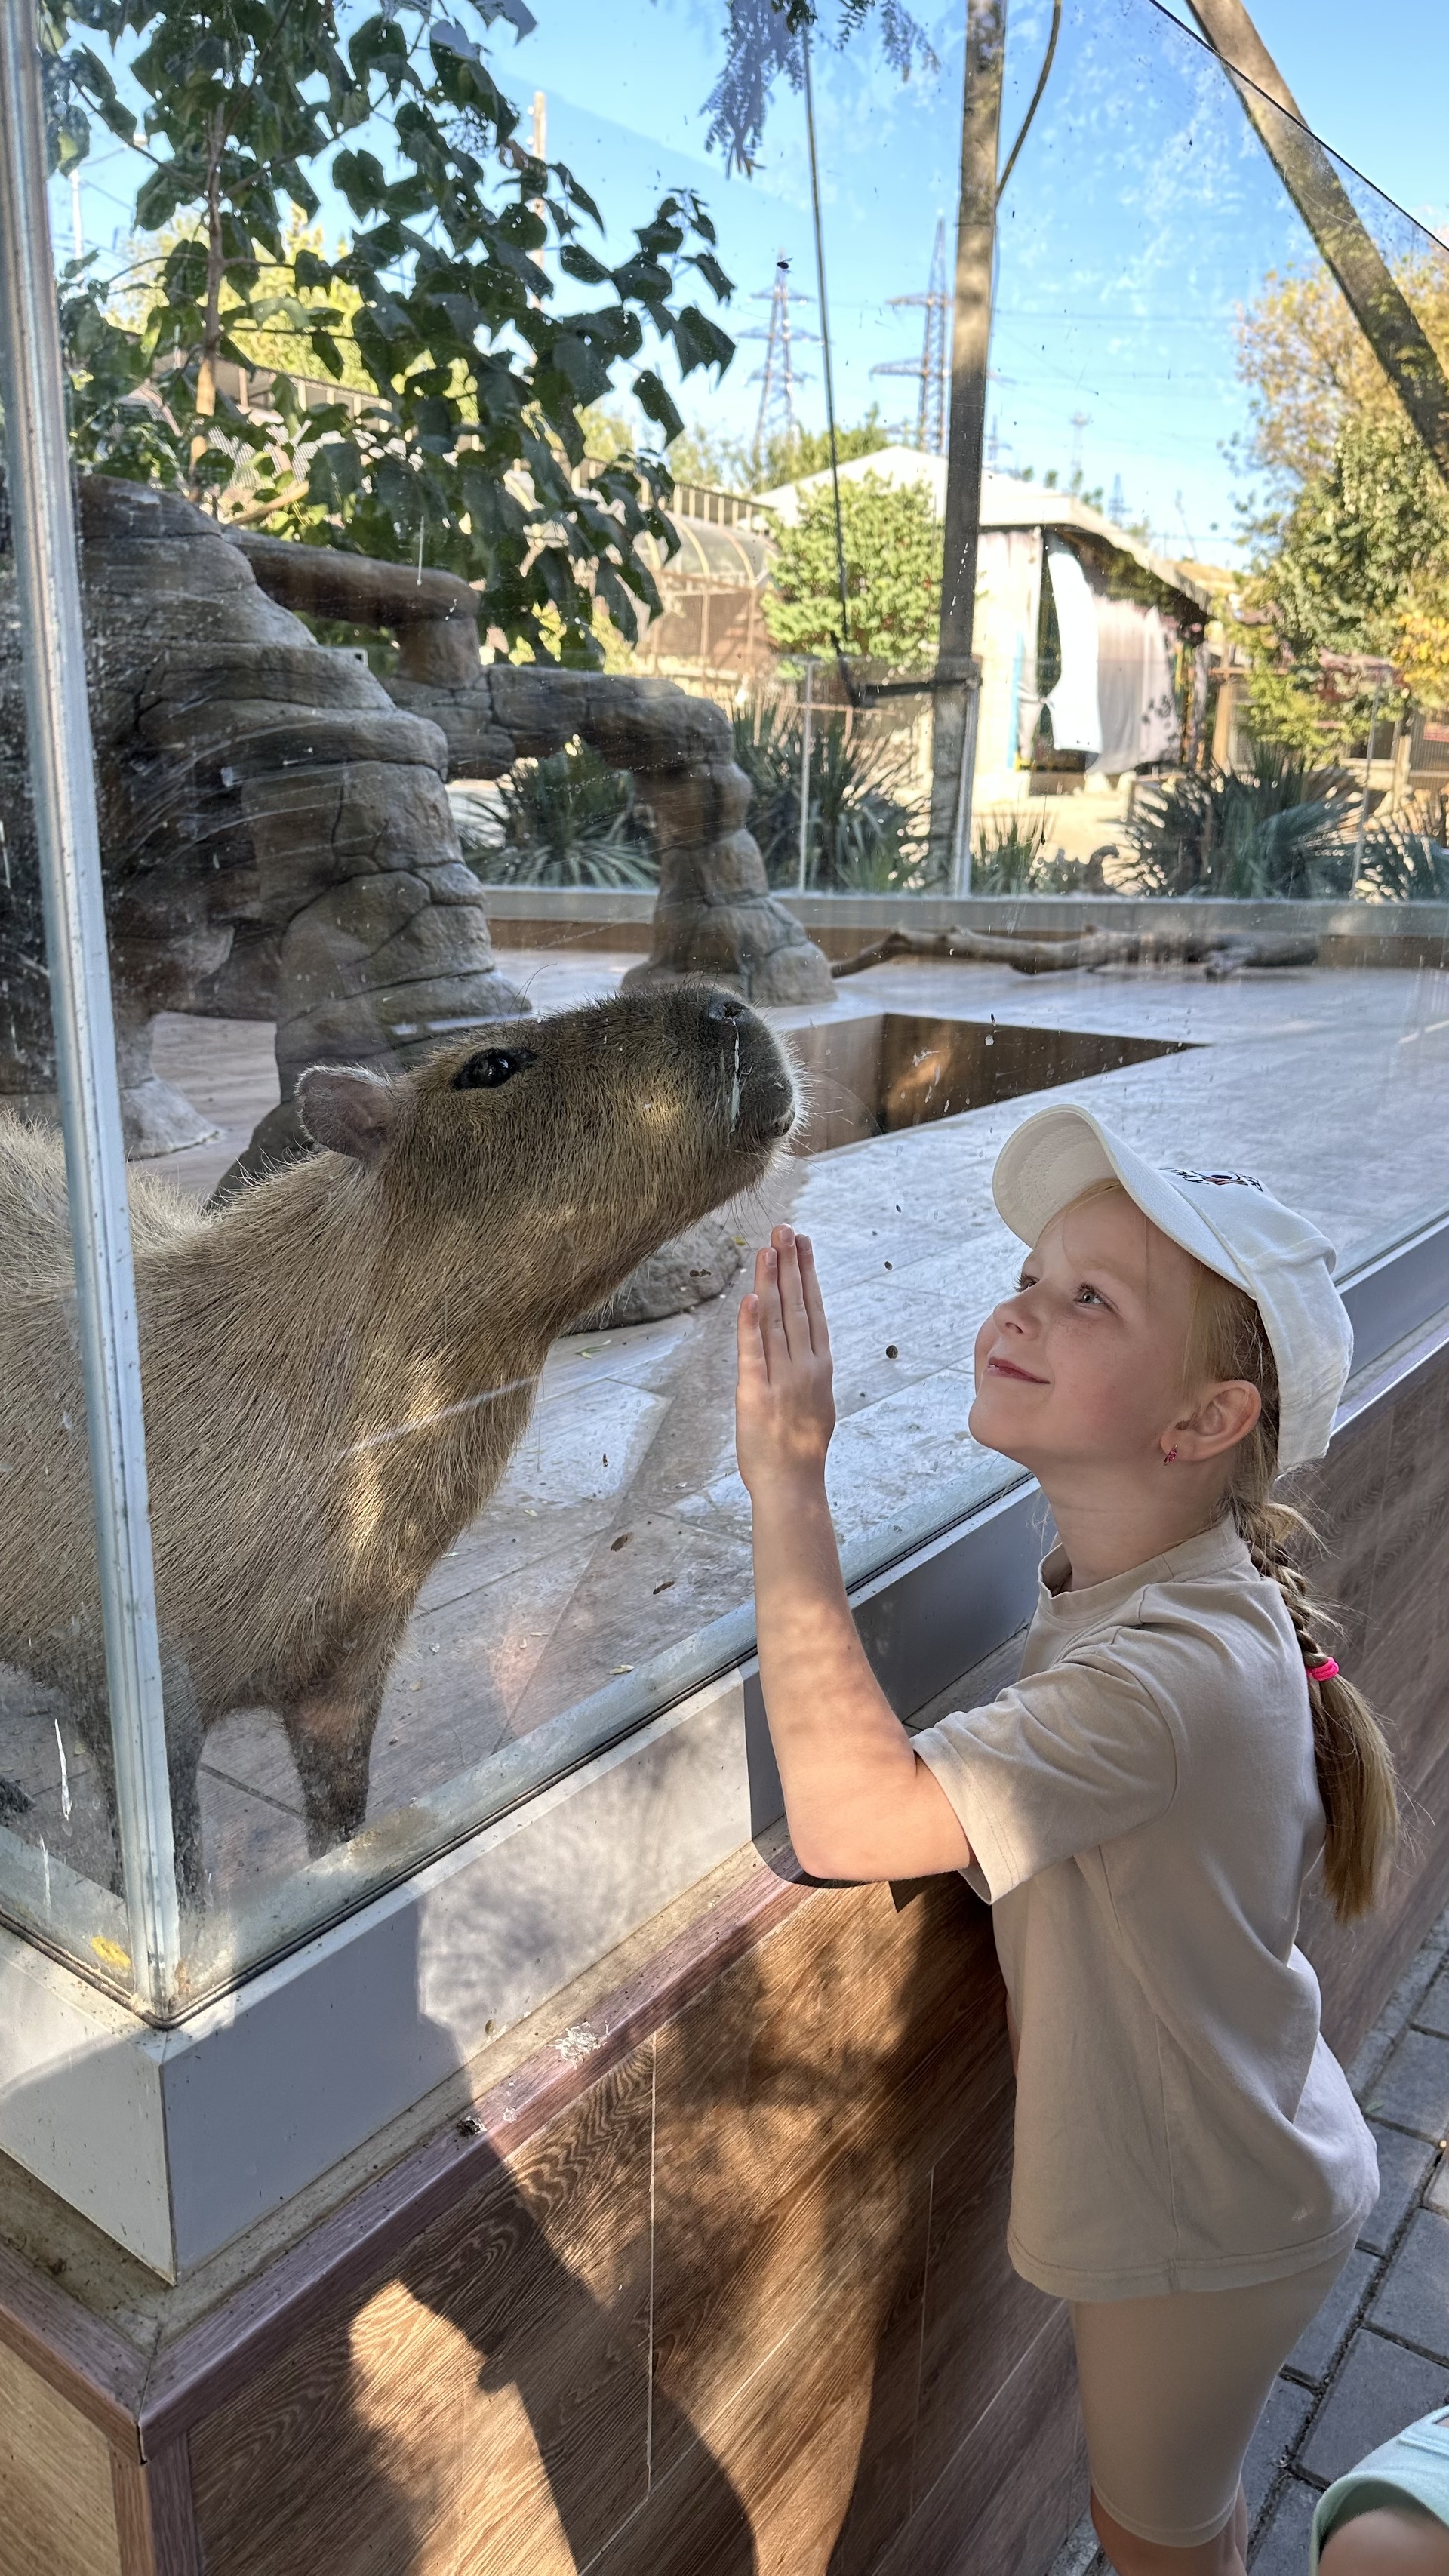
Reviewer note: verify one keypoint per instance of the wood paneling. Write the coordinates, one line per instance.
(155, 2523)
(1016, 2483)
(485, 2407)
(57, 2514)
(1382, 1501)
(787, 2119)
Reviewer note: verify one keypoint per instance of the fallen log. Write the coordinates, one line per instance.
(1065, 952)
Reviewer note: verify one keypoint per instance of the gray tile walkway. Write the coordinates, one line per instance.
(1413, 2090)
(1377, 2354)
(1413, 2299)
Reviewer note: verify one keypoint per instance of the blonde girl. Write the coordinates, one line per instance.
(1142, 1809)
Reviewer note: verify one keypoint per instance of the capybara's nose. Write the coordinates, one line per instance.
(724, 1006)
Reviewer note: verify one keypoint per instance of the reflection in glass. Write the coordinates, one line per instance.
(440, 1416)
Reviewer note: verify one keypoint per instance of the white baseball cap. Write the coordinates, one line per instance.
(1227, 1221)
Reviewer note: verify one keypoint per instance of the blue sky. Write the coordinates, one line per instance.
(1142, 212)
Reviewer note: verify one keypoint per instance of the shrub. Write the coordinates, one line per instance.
(864, 835)
(568, 821)
(1278, 830)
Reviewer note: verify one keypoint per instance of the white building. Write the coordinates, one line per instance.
(1087, 640)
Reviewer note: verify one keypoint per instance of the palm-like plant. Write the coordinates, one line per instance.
(1406, 857)
(864, 834)
(1278, 830)
(568, 821)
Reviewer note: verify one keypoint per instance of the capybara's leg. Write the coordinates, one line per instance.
(184, 1735)
(330, 1728)
(183, 1757)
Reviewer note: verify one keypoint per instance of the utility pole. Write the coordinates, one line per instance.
(1348, 248)
(954, 743)
(930, 369)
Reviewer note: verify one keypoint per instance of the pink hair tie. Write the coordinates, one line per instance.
(1326, 1671)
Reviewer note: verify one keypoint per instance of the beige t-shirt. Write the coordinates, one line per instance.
(1142, 1810)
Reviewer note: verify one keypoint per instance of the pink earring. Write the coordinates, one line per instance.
(1168, 1459)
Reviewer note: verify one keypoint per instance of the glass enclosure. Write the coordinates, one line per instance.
(459, 777)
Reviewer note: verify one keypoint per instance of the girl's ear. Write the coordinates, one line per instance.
(1226, 1415)
(349, 1110)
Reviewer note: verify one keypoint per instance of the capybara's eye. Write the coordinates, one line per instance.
(496, 1064)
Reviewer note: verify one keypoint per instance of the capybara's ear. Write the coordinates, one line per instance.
(348, 1110)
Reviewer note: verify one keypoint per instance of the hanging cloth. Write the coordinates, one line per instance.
(1135, 686)
(1072, 706)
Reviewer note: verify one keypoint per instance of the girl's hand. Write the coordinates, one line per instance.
(784, 1411)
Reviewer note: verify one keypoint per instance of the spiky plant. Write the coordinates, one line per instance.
(864, 834)
(1276, 830)
(569, 821)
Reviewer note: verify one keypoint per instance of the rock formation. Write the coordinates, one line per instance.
(276, 836)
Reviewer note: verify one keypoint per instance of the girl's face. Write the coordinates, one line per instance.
(1083, 1365)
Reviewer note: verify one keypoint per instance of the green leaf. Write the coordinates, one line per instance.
(580, 263)
(655, 404)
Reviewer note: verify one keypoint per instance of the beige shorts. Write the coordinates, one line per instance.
(1172, 2389)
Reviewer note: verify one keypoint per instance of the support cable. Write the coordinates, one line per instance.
(842, 641)
(1036, 99)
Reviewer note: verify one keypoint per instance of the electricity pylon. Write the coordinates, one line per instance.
(779, 375)
(931, 368)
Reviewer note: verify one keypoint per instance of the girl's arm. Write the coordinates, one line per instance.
(859, 1803)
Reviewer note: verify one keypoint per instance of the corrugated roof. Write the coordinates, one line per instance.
(1007, 501)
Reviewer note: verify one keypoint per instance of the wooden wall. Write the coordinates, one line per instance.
(1381, 1500)
(744, 2305)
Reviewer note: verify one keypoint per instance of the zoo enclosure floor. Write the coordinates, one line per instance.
(621, 1527)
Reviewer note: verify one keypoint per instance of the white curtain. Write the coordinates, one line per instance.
(1139, 717)
(1075, 717)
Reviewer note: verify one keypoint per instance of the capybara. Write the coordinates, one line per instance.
(337, 1365)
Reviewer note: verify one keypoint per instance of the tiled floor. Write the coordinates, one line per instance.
(621, 1530)
(1377, 2354)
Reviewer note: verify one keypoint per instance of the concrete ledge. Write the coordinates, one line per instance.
(1351, 934)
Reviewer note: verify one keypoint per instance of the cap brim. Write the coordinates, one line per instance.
(1050, 1159)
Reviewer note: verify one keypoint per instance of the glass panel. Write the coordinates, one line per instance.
(440, 1433)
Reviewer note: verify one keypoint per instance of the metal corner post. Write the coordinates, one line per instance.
(63, 785)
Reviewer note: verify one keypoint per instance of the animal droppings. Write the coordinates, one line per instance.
(621, 1668)
(621, 1541)
(666, 1586)
(468, 2126)
(890, 1265)
(892, 1353)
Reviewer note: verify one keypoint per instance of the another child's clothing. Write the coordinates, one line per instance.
(1410, 2472)
(1143, 1810)
(1172, 2389)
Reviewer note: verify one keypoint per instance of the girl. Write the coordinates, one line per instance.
(1143, 1807)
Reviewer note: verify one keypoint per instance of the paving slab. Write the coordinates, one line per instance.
(1380, 2388)
(1318, 2347)
(1413, 2090)
(1282, 2548)
(1404, 2166)
(1280, 2427)
(1433, 2010)
(1437, 2195)
(1413, 2298)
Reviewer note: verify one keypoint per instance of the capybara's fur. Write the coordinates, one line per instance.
(337, 1366)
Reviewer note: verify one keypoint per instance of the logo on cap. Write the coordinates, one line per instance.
(1221, 1180)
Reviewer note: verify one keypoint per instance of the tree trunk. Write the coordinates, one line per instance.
(954, 729)
(1348, 248)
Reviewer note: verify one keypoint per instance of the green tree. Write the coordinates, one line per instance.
(467, 456)
(735, 464)
(892, 573)
(1351, 546)
(1357, 564)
